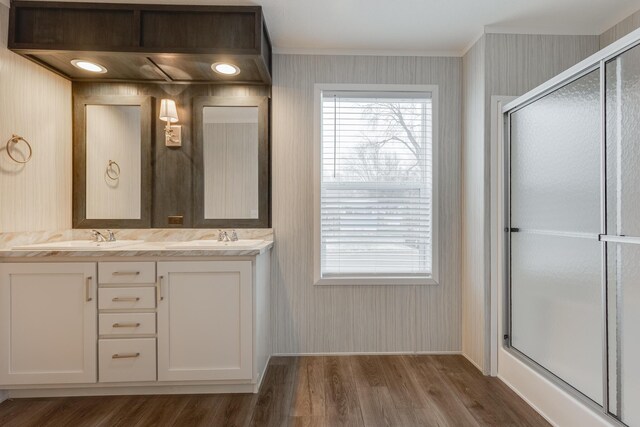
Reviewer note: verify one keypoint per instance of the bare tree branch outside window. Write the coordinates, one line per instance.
(392, 125)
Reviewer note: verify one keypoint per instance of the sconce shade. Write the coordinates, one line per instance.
(168, 111)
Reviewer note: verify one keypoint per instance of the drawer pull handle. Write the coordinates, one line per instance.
(87, 289)
(126, 325)
(126, 273)
(124, 299)
(125, 355)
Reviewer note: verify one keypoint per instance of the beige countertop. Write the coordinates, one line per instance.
(147, 249)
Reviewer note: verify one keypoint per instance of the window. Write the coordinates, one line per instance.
(375, 219)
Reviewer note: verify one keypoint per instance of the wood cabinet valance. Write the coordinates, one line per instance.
(147, 43)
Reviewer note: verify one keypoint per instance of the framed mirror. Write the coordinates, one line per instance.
(231, 152)
(112, 162)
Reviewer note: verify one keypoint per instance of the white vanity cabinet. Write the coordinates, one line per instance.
(205, 320)
(151, 324)
(48, 321)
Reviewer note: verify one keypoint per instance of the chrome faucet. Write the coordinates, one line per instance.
(223, 236)
(98, 236)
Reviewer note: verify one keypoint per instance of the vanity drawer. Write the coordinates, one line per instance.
(126, 272)
(126, 298)
(127, 323)
(126, 360)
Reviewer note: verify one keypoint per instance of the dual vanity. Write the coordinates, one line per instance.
(167, 149)
(79, 317)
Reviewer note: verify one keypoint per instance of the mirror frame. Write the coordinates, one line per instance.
(80, 219)
(264, 185)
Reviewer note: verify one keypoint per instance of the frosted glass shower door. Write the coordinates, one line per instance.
(623, 233)
(555, 219)
(623, 144)
(624, 331)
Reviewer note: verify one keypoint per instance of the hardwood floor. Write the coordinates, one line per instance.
(309, 391)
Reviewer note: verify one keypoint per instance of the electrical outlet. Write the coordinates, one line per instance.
(175, 219)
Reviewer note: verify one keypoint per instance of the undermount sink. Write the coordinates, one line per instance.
(213, 244)
(77, 245)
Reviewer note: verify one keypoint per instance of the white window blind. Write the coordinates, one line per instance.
(376, 184)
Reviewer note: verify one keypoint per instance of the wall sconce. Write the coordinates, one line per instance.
(169, 114)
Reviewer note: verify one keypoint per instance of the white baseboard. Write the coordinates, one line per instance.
(3, 396)
(262, 375)
(370, 353)
(473, 363)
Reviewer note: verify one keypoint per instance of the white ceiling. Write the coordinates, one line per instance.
(419, 27)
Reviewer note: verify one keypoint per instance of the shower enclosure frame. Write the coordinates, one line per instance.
(596, 61)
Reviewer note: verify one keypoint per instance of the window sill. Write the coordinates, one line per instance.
(377, 281)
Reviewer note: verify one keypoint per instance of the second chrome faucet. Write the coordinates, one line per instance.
(223, 236)
(99, 237)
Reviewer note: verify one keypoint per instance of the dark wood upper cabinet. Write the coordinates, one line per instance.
(71, 28)
(145, 43)
(203, 30)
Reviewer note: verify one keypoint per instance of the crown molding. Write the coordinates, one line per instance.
(365, 52)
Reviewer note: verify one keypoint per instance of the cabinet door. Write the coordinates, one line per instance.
(205, 320)
(48, 323)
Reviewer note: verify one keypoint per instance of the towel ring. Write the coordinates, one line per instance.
(111, 169)
(15, 139)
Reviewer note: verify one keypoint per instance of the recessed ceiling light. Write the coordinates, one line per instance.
(226, 69)
(88, 66)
